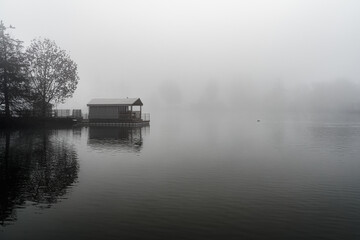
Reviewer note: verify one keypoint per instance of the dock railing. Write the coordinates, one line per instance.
(145, 117)
(53, 113)
(67, 113)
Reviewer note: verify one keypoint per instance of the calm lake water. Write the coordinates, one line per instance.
(184, 178)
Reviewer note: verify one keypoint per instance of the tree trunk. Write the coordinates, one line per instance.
(7, 148)
(43, 109)
(6, 97)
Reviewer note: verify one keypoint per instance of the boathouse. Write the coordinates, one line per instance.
(120, 110)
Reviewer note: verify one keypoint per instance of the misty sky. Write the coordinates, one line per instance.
(191, 53)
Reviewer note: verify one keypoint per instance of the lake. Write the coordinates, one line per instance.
(193, 177)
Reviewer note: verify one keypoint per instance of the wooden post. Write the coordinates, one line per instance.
(131, 109)
(140, 111)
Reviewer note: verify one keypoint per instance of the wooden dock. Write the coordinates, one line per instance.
(115, 124)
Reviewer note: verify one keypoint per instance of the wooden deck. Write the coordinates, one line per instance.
(116, 124)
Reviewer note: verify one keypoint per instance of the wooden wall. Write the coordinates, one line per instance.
(103, 112)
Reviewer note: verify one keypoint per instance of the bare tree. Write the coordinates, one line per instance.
(52, 74)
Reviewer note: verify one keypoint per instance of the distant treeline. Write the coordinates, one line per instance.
(258, 95)
(32, 79)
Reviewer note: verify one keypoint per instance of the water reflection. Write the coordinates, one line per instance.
(36, 167)
(116, 138)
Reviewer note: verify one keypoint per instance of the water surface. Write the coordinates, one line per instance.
(198, 178)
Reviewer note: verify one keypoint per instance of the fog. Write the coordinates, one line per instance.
(267, 56)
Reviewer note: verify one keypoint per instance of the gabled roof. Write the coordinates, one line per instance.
(115, 102)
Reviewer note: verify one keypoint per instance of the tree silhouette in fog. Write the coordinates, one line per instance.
(52, 74)
(13, 81)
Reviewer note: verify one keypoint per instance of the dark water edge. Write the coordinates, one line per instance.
(224, 178)
(30, 122)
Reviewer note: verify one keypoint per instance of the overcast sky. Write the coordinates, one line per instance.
(184, 53)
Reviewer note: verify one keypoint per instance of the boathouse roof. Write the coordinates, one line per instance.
(115, 102)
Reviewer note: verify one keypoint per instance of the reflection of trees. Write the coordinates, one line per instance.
(119, 138)
(34, 167)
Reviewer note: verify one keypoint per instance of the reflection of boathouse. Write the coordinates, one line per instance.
(123, 110)
(119, 138)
